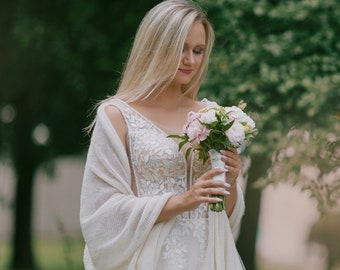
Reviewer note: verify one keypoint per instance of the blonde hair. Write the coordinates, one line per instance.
(156, 52)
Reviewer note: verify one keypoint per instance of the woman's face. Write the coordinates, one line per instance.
(192, 55)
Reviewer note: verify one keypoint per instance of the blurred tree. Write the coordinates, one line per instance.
(282, 58)
(57, 59)
(326, 233)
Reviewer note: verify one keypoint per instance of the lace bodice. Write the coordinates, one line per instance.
(158, 167)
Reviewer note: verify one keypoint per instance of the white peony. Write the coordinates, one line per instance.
(235, 113)
(236, 134)
(208, 117)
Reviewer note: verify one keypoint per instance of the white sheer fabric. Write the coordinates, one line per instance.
(118, 223)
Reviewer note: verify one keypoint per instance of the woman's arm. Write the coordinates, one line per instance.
(199, 193)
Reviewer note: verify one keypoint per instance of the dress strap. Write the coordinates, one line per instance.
(121, 105)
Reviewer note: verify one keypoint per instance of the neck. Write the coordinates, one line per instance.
(170, 98)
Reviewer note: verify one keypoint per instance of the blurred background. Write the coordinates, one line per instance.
(59, 58)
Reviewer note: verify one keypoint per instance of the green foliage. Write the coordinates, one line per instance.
(281, 57)
(58, 58)
(310, 162)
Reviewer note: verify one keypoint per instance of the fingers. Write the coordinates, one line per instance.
(219, 188)
(215, 191)
(231, 158)
(213, 184)
(205, 186)
(213, 172)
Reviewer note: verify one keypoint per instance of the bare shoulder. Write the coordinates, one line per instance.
(117, 121)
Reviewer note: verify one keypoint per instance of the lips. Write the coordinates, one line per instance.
(185, 71)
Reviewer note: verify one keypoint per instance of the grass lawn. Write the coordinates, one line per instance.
(67, 254)
(263, 265)
(51, 254)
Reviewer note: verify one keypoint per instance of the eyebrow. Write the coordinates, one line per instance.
(199, 45)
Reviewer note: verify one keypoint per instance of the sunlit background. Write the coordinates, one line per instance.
(58, 58)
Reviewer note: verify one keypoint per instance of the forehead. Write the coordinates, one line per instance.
(196, 35)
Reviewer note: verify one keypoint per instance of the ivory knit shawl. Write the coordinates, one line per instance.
(119, 228)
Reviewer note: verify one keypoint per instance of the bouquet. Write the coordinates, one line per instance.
(213, 129)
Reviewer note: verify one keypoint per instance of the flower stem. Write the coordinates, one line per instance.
(219, 206)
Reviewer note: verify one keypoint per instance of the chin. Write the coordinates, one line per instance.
(185, 81)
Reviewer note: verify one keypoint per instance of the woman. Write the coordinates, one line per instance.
(143, 205)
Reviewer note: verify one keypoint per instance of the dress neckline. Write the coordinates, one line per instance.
(152, 123)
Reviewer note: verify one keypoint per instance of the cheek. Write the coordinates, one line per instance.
(199, 60)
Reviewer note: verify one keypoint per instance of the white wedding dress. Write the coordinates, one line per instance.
(123, 194)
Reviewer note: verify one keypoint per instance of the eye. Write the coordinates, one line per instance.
(198, 51)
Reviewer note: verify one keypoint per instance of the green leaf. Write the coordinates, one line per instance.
(177, 136)
(187, 153)
(181, 144)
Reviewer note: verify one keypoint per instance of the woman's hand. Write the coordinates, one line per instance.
(199, 193)
(233, 164)
(205, 186)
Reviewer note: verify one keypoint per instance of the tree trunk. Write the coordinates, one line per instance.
(246, 243)
(22, 256)
(25, 157)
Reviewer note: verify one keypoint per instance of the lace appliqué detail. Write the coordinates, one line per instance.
(189, 224)
(157, 164)
(176, 247)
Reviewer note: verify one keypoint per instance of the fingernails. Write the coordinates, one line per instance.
(223, 169)
(226, 167)
(223, 152)
(227, 185)
(219, 199)
(226, 192)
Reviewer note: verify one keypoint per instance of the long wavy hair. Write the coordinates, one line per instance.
(156, 52)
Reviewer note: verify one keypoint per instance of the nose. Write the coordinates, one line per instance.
(188, 58)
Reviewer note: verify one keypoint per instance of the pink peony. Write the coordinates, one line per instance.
(196, 132)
